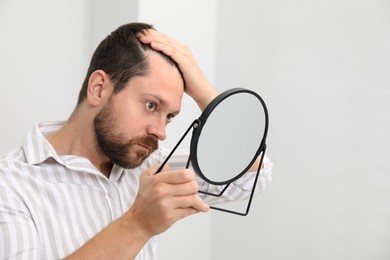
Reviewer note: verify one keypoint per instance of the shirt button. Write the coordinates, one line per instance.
(112, 195)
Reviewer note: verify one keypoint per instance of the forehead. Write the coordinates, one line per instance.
(162, 81)
(164, 69)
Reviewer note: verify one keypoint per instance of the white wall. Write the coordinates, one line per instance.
(323, 69)
(107, 16)
(43, 61)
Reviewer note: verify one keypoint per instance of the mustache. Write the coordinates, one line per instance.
(149, 141)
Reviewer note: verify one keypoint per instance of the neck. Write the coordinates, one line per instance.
(77, 137)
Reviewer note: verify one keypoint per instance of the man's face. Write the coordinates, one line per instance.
(131, 123)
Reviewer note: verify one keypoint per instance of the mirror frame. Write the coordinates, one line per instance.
(202, 120)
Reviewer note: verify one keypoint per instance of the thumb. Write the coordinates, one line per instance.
(156, 169)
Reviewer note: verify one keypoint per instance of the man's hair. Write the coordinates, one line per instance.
(122, 56)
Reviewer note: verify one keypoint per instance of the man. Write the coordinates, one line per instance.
(86, 188)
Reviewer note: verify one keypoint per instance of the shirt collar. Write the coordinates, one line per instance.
(36, 147)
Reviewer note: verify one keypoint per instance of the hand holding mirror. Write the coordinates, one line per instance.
(227, 139)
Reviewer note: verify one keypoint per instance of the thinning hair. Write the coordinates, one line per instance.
(122, 56)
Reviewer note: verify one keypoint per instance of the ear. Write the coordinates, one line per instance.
(99, 88)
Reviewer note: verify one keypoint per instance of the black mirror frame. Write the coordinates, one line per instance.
(197, 126)
(202, 121)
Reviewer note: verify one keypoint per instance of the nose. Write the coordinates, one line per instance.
(157, 129)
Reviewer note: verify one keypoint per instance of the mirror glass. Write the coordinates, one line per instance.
(228, 138)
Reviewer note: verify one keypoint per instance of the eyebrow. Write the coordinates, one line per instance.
(162, 102)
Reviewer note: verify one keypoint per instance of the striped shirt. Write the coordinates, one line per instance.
(50, 204)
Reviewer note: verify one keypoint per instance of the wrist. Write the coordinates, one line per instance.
(204, 96)
(136, 232)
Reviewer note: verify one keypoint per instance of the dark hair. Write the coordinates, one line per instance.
(122, 56)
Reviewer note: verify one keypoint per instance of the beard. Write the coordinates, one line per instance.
(112, 141)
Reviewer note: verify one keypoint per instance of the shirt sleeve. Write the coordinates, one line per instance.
(237, 190)
(18, 235)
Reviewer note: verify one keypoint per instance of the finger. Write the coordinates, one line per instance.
(156, 36)
(152, 170)
(149, 36)
(184, 61)
(176, 177)
(183, 213)
(179, 55)
(184, 189)
(191, 201)
(142, 37)
(161, 42)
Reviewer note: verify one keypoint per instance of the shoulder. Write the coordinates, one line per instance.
(12, 169)
(12, 161)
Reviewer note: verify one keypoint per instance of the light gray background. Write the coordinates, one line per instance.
(323, 69)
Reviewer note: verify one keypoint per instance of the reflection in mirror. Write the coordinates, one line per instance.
(229, 140)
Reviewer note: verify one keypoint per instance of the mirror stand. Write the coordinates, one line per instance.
(262, 149)
(194, 124)
(251, 195)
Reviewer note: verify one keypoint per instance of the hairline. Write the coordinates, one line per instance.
(147, 52)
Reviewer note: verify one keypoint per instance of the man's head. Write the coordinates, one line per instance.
(122, 56)
(134, 91)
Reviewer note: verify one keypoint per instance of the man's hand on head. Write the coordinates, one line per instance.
(196, 84)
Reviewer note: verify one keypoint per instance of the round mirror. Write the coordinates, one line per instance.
(229, 136)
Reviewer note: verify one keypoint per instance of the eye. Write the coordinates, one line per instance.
(170, 117)
(150, 106)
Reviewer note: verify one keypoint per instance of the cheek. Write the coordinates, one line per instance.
(132, 117)
(126, 111)
(133, 123)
